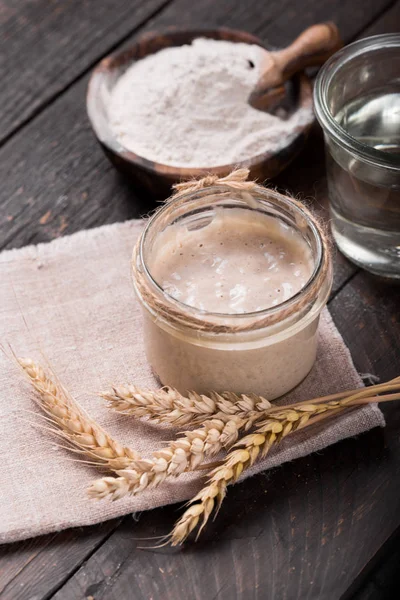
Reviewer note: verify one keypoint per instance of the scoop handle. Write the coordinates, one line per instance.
(313, 47)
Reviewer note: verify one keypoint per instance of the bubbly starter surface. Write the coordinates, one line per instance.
(239, 262)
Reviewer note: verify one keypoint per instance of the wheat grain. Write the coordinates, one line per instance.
(223, 415)
(188, 452)
(167, 405)
(71, 422)
(184, 454)
(243, 455)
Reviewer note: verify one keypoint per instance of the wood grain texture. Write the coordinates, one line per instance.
(302, 527)
(312, 48)
(36, 567)
(384, 579)
(46, 44)
(388, 21)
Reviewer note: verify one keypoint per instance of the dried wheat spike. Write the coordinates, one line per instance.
(189, 451)
(184, 454)
(241, 457)
(167, 405)
(72, 423)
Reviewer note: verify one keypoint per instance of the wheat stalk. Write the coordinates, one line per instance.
(237, 460)
(167, 405)
(71, 422)
(184, 454)
(237, 413)
(189, 451)
(246, 451)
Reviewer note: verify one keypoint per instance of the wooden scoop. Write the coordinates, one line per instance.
(312, 48)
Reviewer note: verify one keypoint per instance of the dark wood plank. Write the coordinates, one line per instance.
(378, 303)
(370, 592)
(55, 178)
(386, 575)
(46, 45)
(384, 578)
(367, 312)
(388, 22)
(23, 564)
(70, 174)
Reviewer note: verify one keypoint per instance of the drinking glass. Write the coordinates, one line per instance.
(357, 102)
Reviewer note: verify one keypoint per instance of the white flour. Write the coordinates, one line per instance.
(187, 106)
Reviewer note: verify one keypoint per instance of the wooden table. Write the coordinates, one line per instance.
(321, 528)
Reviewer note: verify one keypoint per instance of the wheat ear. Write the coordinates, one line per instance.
(184, 454)
(187, 453)
(72, 423)
(245, 452)
(190, 450)
(167, 405)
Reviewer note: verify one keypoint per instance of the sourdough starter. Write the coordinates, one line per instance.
(238, 262)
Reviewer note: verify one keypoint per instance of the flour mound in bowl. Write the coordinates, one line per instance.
(187, 106)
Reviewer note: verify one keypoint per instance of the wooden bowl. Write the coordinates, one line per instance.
(154, 178)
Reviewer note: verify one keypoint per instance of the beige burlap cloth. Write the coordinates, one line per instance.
(72, 301)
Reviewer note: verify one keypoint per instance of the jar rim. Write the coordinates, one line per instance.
(322, 84)
(270, 196)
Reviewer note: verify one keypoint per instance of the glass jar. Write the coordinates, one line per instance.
(357, 102)
(266, 352)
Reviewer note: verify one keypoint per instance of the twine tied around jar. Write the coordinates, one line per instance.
(236, 180)
(175, 312)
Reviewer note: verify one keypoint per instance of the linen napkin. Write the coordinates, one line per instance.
(71, 302)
